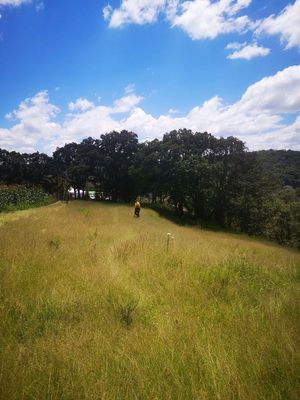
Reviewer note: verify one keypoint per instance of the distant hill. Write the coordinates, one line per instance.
(284, 163)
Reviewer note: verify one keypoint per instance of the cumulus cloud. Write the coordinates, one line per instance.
(275, 94)
(201, 19)
(246, 51)
(80, 105)
(207, 19)
(204, 19)
(286, 25)
(258, 118)
(173, 111)
(13, 3)
(39, 4)
(126, 103)
(134, 11)
(92, 122)
(35, 125)
(107, 11)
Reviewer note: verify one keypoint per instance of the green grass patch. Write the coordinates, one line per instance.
(95, 305)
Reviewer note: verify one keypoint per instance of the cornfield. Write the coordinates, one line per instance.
(21, 196)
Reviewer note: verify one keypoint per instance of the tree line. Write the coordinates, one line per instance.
(209, 178)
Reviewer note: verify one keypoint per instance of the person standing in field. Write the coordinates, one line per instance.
(137, 208)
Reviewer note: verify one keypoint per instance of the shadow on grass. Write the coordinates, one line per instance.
(190, 221)
(186, 219)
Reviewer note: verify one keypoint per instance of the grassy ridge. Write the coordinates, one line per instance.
(93, 306)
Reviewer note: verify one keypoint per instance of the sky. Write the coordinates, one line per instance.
(70, 69)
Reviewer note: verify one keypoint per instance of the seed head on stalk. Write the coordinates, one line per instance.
(168, 240)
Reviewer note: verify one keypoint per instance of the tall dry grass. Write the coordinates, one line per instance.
(94, 306)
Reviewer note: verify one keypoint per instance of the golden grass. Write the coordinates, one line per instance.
(93, 306)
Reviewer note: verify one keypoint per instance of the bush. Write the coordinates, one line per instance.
(21, 197)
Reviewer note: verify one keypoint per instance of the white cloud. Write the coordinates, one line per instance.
(92, 122)
(207, 19)
(10, 116)
(173, 111)
(201, 19)
(36, 125)
(285, 137)
(107, 11)
(13, 3)
(80, 105)
(246, 51)
(235, 46)
(258, 118)
(204, 19)
(126, 103)
(275, 94)
(134, 11)
(39, 4)
(238, 5)
(130, 88)
(286, 25)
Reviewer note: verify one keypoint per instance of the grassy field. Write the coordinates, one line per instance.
(95, 305)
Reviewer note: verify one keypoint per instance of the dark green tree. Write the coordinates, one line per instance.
(118, 151)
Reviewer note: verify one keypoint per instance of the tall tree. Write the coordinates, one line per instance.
(118, 151)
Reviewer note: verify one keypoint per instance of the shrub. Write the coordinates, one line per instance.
(126, 312)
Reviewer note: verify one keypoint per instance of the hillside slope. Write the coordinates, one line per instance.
(283, 163)
(95, 305)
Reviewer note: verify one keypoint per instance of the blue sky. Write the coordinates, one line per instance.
(71, 69)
